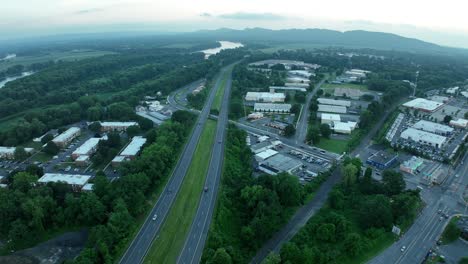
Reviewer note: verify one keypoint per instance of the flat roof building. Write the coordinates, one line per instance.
(382, 160)
(423, 137)
(327, 101)
(460, 123)
(344, 127)
(452, 90)
(279, 163)
(117, 160)
(88, 187)
(133, 147)
(255, 116)
(268, 107)
(265, 97)
(329, 118)
(9, 152)
(292, 87)
(77, 181)
(116, 126)
(332, 109)
(265, 155)
(433, 127)
(348, 92)
(262, 146)
(66, 137)
(423, 105)
(88, 148)
(411, 165)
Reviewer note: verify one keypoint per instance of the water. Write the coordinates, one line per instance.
(9, 79)
(224, 45)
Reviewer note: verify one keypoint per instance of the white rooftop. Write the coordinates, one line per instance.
(265, 95)
(266, 154)
(432, 127)
(332, 109)
(66, 135)
(331, 117)
(87, 146)
(72, 179)
(459, 122)
(344, 126)
(423, 136)
(11, 150)
(424, 104)
(134, 146)
(82, 158)
(118, 159)
(88, 187)
(118, 124)
(272, 107)
(334, 102)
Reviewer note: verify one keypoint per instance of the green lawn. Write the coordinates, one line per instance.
(331, 86)
(219, 94)
(333, 145)
(167, 246)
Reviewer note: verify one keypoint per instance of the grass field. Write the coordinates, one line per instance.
(219, 94)
(167, 246)
(333, 145)
(330, 86)
(65, 56)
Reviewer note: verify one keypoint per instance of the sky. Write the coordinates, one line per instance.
(442, 22)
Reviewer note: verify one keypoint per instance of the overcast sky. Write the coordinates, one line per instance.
(443, 22)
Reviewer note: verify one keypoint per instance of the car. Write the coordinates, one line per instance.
(441, 218)
(205, 189)
(155, 216)
(403, 248)
(219, 141)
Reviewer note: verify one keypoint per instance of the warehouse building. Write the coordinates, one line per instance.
(453, 90)
(327, 101)
(357, 73)
(262, 156)
(332, 109)
(116, 126)
(329, 118)
(423, 105)
(9, 152)
(433, 127)
(459, 123)
(275, 108)
(88, 148)
(265, 97)
(344, 127)
(440, 99)
(348, 92)
(411, 166)
(66, 137)
(423, 137)
(382, 160)
(75, 180)
(303, 85)
(262, 146)
(279, 163)
(292, 87)
(133, 147)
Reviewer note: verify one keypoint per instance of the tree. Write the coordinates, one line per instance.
(451, 232)
(349, 174)
(289, 190)
(336, 199)
(221, 257)
(295, 109)
(20, 154)
(325, 130)
(133, 131)
(447, 119)
(272, 258)
(23, 182)
(291, 253)
(289, 131)
(313, 135)
(376, 212)
(35, 170)
(95, 127)
(46, 138)
(393, 182)
(353, 244)
(51, 148)
(326, 232)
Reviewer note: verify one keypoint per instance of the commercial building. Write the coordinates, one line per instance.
(88, 148)
(423, 137)
(9, 152)
(154, 106)
(262, 146)
(327, 101)
(357, 73)
(279, 163)
(291, 87)
(411, 166)
(382, 160)
(275, 108)
(300, 73)
(255, 116)
(344, 127)
(265, 97)
(465, 94)
(66, 137)
(433, 127)
(77, 181)
(262, 156)
(133, 147)
(440, 99)
(459, 123)
(423, 105)
(452, 90)
(329, 118)
(116, 126)
(332, 109)
(348, 92)
(297, 80)
(303, 85)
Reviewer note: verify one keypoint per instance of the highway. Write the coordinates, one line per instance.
(142, 242)
(195, 242)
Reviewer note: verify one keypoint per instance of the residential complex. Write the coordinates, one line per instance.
(77, 181)
(327, 101)
(66, 137)
(265, 97)
(268, 107)
(116, 126)
(9, 152)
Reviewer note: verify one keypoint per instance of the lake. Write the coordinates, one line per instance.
(224, 45)
(9, 79)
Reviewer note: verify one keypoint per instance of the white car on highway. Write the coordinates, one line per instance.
(155, 216)
(403, 248)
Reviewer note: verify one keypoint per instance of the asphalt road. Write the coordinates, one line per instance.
(195, 242)
(150, 228)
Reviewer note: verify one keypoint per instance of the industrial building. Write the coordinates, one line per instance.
(423, 137)
(382, 160)
(329, 118)
(301, 73)
(66, 137)
(116, 126)
(459, 123)
(303, 85)
(262, 156)
(9, 152)
(88, 148)
(291, 87)
(76, 181)
(411, 166)
(433, 127)
(423, 105)
(344, 127)
(279, 163)
(255, 116)
(440, 99)
(452, 90)
(265, 97)
(327, 101)
(262, 146)
(357, 73)
(133, 147)
(332, 109)
(275, 108)
(348, 92)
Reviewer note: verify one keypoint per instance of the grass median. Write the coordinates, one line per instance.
(219, 94)
(169, 243)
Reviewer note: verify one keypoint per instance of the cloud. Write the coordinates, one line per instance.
(205, 15)
(88, 11)
(251, 16)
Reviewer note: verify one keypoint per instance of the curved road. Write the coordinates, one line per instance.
(150, 228)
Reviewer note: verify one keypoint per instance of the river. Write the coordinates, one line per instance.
(224, 45)
(9, 79)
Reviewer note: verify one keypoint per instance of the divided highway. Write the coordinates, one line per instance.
(150, 228)
(195, 242)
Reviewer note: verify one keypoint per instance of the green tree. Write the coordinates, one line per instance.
(289, 131)
(349, 174)
(20, 154)
(221, 257)
(291, 253)
(95, 127)
(46, 138)
(289, 190)
(336, 199)
(272, 258)
(393, 182)
(353, 244)
(325, 130)
(326, 232)
(451, 233)
(376, 212)
(133, 131)
(447, 119)
(51, 148)
(313, 135)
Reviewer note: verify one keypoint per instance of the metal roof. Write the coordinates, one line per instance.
(134, 146)
(72, 179)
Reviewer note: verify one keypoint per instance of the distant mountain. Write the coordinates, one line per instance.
(325, 37)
